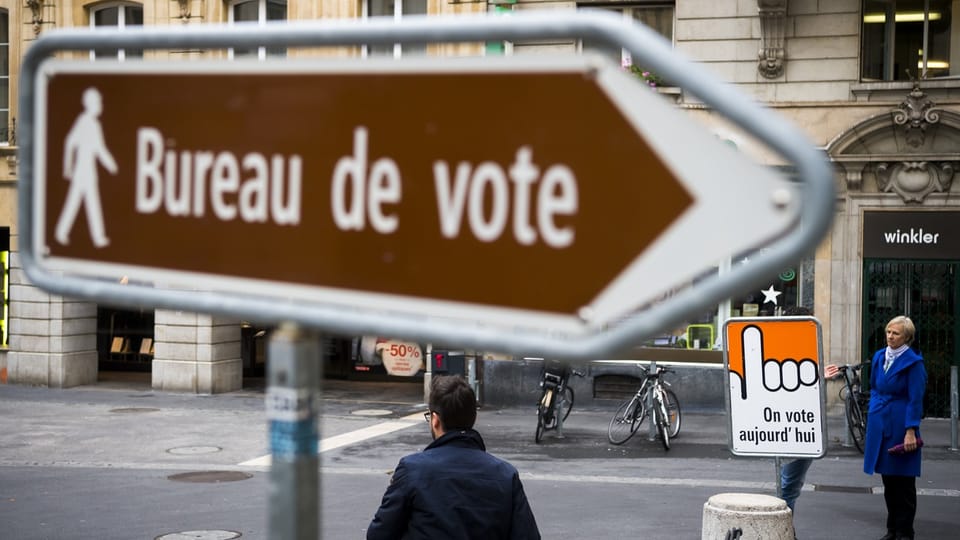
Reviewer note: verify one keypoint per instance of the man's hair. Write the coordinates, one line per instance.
(454, 401)
(797, 311)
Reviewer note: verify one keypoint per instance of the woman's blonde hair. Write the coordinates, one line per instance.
(908, 328)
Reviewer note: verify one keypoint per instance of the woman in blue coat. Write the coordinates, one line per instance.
(897, 383)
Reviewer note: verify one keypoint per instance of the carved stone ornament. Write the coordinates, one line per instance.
(184, 9)
(773, 20)
(914, 115)
(914, 180)
(36, 10)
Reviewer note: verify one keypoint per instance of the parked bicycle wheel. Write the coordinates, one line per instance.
(673, 412)
(625, 421)
(856, 422)
(663, 424)
(546, 408)
(567, 403)
(538, 436)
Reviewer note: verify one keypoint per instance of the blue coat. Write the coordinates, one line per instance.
(454, 489)
(896, 403)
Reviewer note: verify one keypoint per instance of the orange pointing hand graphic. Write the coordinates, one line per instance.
(774, 393)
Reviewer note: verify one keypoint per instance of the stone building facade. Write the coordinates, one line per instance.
(875, 84)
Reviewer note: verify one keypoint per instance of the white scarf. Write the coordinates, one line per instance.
(892, 355)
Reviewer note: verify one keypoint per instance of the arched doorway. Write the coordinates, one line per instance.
(899, 234)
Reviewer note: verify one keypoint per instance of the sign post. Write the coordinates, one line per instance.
(775, 394)
(292, 401)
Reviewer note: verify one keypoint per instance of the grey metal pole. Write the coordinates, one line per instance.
(778, 468)
(954, 405)
(293, 382)
(847, 437)
(651, 414)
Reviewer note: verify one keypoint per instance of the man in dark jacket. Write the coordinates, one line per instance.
(454, 488)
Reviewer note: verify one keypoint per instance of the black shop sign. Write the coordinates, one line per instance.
(911, 235)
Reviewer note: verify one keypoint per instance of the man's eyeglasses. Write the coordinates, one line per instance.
(427, 415)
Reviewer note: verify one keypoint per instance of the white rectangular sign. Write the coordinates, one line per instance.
(775, 392)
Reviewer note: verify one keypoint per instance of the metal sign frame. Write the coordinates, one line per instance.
(815, 175)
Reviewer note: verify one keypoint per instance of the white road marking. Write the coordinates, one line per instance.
(353, 437)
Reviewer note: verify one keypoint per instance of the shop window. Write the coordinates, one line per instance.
(909, 39)
(5, 124)
(120, 16)
(656, 15)
(790, 288)
(258, 11)
(395, 9)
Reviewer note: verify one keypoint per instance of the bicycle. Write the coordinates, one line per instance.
(855, 403)
(652, 394)
(556, 400)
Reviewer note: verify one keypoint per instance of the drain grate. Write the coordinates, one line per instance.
(127, 410)
(210, 477)
(200, 535)
(843, 489)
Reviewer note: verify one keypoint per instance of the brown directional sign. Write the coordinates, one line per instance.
(524, 189)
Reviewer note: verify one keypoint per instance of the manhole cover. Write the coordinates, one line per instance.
(210, 477)
(372, 412)
(194, 450)
(200, 535)
(126, 410)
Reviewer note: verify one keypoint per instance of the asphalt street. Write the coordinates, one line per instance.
(121, 461)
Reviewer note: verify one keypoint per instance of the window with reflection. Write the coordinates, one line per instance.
(5, 126)
(395, 9)
(909, 39)
(4, 283)
(791, 287)
(120, 16)
(656, 15)
(260, 12)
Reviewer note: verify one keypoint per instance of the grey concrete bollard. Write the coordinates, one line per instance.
(758, 516)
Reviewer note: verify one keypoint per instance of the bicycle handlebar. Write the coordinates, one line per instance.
(660, 370)
(852, 368)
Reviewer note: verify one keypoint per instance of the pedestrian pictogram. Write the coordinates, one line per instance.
(84, 150)
(775, 392)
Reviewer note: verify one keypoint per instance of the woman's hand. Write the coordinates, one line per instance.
(831, 371)
(910, 440)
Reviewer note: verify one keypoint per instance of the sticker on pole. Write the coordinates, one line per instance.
(775, 392)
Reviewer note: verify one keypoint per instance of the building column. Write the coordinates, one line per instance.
(53, 340)
(196, 353)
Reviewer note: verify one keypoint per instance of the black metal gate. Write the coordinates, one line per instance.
(927, 292)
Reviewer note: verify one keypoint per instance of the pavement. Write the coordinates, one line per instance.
(121, 432)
